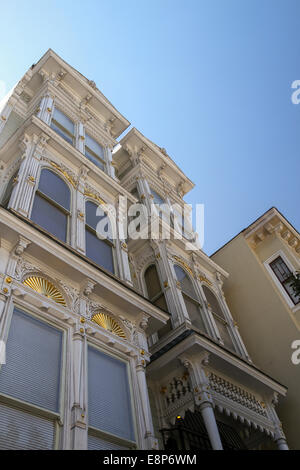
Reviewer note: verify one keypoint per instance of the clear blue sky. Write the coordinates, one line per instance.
(208, 80)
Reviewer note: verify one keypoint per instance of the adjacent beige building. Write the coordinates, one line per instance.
(260, 261)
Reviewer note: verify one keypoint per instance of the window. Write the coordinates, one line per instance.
(109, 402)
(30, 380)
(98, 250)
(157, 199)
(156, 295)
(285, 277)
(8, 190)
(94, 152)
(51, 207)
(190, 298)
(219, 318)
(61, 124)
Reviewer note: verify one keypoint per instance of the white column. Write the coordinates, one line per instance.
(148, 432)
(279, 437)
(80, 136)
(202, 395)
(78, 410)
(24, 190)
(79, 232)
(109, 163)
(209, 419)
(46, 109)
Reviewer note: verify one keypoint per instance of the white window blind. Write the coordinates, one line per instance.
(33, 362)
(109, 404)
(22, 430)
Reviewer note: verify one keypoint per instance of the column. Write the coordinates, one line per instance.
(109, 163)
(150, 442)
(23, 191)
(172, 289)
(45, 109)
(202, 396)
(78, 408)
(279, 436)
(79, 239)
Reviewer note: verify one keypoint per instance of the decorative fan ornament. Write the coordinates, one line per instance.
(46, 288)
(108, 323)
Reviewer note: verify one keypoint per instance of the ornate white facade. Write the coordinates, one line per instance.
(129, 374)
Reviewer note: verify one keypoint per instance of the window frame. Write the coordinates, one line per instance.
(62, 128)
(223, 319)
(58, 206)
(102, 160)
(109, 242)
(195, 300)
(278, 284)
(101, 434)
(57, 417)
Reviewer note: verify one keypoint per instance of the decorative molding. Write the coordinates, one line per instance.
(44, 287)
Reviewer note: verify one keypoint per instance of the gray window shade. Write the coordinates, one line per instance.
(95, 443)
(33, 362)
(109, 395)
(50, 217)
(55, 188)
(22, 430)
(99, 251)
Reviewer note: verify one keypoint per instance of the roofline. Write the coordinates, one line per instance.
(96, 93)
(155, 148)
(273, 208)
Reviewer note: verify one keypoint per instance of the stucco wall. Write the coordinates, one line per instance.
(265, 322)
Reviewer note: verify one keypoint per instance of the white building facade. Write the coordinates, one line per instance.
(117, 343)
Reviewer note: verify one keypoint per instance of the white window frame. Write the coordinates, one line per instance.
(99, 432)
(59, 416)
(277, 282)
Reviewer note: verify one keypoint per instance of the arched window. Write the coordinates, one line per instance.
(219, 317)
(156, 295)
(190, 298)
(51, 207)
(8, 190)
(98, 250)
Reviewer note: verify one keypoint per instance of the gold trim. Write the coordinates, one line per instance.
(94, 196)
(3, 118)
(66, 175)
(204, 279)
(8, 280)
(184, 264)
(5, 290)
(46, 288)
(108, 323)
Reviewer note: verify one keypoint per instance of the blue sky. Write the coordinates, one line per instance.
(209, 80)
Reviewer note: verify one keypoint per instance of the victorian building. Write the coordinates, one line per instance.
(261, 261)
(116, 343)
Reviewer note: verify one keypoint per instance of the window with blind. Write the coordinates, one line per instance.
(98, 250)
(219, 318)
(51, 206)
(156, 295)
(190, 298)
(109, 402)
(285, 277)
(63, 125)
(30, 384)
(94, 152)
